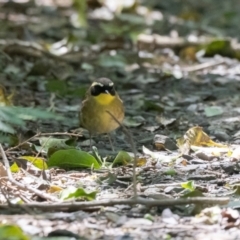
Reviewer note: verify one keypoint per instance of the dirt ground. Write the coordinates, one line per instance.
(48, 60)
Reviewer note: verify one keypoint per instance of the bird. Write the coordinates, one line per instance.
(101, 105)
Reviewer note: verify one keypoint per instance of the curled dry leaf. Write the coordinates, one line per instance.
(195, 136)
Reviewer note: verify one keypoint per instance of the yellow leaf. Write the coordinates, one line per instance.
(14, 168)
(4, 99)
(36, 161)
(54, 189)
(141, 161)
(195, 136)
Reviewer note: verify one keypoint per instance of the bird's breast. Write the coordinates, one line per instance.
(104, 98)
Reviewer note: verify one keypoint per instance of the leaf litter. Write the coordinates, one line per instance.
(172, 87)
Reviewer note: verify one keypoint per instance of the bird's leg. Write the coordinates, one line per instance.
(90, 138)
(111, 143)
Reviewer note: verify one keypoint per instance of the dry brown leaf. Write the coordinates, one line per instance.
(195, 136)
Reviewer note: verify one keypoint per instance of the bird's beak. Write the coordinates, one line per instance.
(107, 92)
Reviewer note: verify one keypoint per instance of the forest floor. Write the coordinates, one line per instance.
(171, 87)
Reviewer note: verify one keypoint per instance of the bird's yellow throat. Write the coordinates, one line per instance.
(104, 99)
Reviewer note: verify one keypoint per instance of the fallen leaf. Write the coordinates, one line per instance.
(36, 161)
(188, 185)
(123, 158)
(72, 159)
(54, 188)
(12, 232)
(213, 111)
(195, 136)
(135, 121)
(77, 193)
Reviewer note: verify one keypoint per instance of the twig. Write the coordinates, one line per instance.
(24, 207)
(22, 143)
(20, 185)
(5, 195)
(161, 185)
(73, 206)
(43, 134)
(129, 135)
(6, 56)
(203, 66)
(61, 133)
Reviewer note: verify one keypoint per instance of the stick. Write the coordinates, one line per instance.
(203, 66)
(74, 206)
(129, 135)
(44, 134)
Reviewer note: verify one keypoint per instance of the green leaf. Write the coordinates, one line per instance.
(132, 18)
(72, 159)
(35, 114)
(107, 61)
(97, 155)
(153, 106)
(170, 172)
(12, 232)
(188, 185)
(194, 193)
(135, 121)
(221, 46)
(51, 145)
(213, 111)
(8, 115)
(6, 128)
(76, 193)
(57, 86)
(17, 115)
(87, 66)
(123, 158)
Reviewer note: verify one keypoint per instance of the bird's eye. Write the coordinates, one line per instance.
(96, 90)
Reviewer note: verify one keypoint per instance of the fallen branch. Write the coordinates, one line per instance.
(23, 186)
(74, 206)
